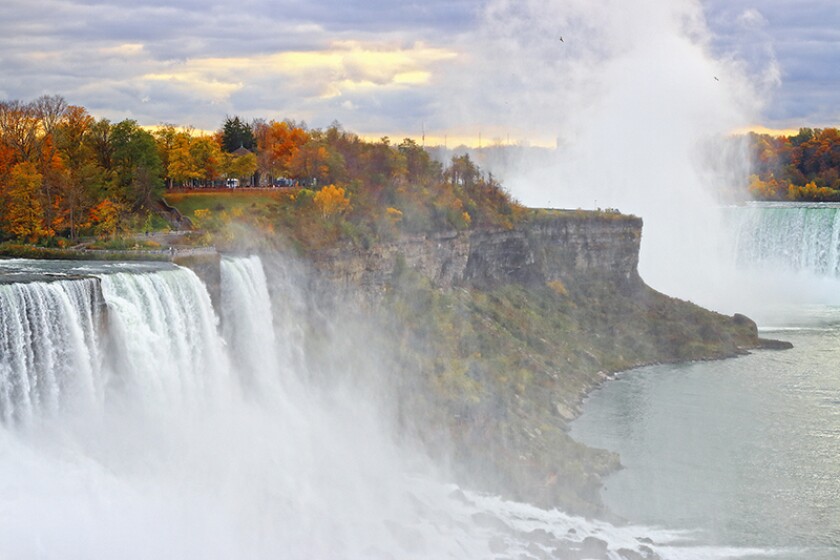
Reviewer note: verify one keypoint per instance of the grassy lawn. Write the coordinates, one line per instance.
(187, 203)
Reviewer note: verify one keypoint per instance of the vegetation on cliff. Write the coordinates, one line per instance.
(487, 374)
(804, 166)
(65, 174)
(490, 377)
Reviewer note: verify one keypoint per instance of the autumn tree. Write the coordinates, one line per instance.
(108, 217)
(23, 215)
(316, 162)
(462, 171)
(802, 164)
(19, 129)
(183, 167)
(239, 166)
(54, 177)
(277, 143)
(165, 142)
(207, 157)
(49, 110)
(7, 159)
(385, 166)
(331, 201)
(420, 168)
(85, 178)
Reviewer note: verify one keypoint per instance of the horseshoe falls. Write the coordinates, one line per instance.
(138, 421)
(792, 237)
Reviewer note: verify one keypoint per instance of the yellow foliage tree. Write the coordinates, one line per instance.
(394, 214)
(24, 216)
(182, 167)
(332, 201)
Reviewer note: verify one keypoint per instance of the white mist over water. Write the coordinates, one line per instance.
(175, 451)
(641, 109)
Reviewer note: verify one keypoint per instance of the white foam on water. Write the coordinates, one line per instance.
(182, 442)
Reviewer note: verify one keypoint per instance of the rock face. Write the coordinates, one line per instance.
(485, 342)
(206, 265)
(571, 246)
(558, 249)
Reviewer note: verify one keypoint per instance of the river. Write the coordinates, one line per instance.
(742, 452)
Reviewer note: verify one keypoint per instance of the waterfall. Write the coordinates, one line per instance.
(167, 349)
(791, 237)
(49, 348)
(248, 324)
(158, 430)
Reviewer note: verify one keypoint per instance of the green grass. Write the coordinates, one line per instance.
(188, 203)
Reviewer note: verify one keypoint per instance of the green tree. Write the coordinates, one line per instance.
(237, 134)
(136, 165)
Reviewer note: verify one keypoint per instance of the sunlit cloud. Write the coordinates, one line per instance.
(344, 66)
(375, 65)
(124, 49)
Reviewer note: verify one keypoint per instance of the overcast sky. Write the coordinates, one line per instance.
(454, 67)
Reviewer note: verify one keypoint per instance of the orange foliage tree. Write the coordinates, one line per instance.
(108, 217)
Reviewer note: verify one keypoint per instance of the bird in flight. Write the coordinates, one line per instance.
(716, 79)
(561, 39)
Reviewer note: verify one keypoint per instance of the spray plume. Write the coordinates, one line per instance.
(640, 108)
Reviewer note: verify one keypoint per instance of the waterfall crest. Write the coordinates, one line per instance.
(167, 350)
(798, 238)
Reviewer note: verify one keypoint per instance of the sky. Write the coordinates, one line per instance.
(452, 69)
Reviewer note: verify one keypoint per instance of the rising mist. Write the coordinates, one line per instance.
(640, 108)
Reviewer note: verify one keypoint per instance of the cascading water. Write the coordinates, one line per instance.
(248, 320)
(139, 436)
(164, 329)
(793, 237)
(49, 351)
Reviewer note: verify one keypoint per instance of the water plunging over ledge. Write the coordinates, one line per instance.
(154, 433)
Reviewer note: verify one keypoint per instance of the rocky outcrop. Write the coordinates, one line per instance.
(574, 246)
(207, 266)
(494, 337)
(565, 246)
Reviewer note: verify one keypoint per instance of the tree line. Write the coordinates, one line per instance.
(804, 166)
(66, 174)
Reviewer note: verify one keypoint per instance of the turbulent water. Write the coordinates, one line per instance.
(140, 422)
(743, 452)
(788, 236)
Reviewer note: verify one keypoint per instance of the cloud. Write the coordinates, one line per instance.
(789, 48)
(751, 18)
(221, 56)
(344, 68)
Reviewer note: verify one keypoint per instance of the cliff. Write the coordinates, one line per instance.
(564, 246)
(492, 338)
